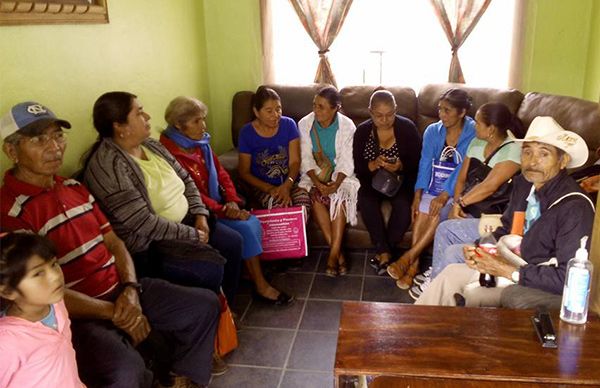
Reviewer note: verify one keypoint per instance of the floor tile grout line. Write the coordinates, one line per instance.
(317, 272)
(254, 366)
(323, 372)
(287, 358)
(285, 329)
(330, 300)
(246, 309)
(362, 283)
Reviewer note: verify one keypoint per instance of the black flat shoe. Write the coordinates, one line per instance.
(382, 269)
(282, 300)
(379, 267)
(374, 263)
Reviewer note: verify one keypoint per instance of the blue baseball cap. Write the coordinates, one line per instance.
(28, 114)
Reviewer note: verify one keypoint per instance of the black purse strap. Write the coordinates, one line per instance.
(490, 156)
(376, 138)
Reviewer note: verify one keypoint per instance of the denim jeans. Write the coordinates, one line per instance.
(450, 236)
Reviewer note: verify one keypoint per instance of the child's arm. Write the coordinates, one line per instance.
(9, 359)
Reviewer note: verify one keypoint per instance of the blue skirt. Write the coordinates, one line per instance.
(251, 232)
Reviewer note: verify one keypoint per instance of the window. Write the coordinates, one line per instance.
(394, 42)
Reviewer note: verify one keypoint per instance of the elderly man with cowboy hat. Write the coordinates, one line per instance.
(531, 271)
(115, 316)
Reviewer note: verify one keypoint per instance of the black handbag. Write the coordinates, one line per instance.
(386, 182)
(495, 203)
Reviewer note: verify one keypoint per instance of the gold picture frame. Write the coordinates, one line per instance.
(53, 12)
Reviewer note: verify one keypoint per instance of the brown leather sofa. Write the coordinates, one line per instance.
(574, 114)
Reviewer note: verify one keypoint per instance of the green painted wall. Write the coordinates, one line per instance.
(562, 48)
(155, 49)
(233, 43)
(592, 79)
(211, 49)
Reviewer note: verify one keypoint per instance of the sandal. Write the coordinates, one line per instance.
(405, 282)
(342, 267)
(331, 270)
(398, 269)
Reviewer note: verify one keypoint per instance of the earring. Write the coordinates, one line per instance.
(121, 135)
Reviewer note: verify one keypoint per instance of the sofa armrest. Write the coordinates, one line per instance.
(229, 161)
(241, 113)
(573, 114)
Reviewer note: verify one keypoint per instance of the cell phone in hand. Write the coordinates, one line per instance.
(391, 160)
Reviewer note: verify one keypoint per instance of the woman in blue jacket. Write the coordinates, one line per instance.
(445, 144)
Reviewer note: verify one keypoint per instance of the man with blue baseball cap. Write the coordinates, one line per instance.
(44, 137)
(29, 117)
(115, 317)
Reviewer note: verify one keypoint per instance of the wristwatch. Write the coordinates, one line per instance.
(515, 276)
(135, 285)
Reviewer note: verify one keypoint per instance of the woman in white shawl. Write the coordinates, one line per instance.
(327, 170)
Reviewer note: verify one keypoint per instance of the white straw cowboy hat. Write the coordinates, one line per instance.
(544, 129)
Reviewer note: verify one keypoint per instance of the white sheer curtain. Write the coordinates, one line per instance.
(394, 42)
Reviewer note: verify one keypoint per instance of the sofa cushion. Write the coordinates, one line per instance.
(429, 96)
(296, 102)
(355, 101)
(574, 114)
(229, 161)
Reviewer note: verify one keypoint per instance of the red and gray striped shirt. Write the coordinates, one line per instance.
(68, 215)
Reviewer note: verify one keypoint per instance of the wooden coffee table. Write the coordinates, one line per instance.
(399, 345)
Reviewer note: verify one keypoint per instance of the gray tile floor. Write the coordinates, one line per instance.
(295, 346)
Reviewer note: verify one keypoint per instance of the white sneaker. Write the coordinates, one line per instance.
(420, 278)
(418, 289)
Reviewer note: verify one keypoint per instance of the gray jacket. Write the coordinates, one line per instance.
(117, 182)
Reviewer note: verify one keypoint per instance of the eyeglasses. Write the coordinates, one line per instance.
(383, 116)
(43, 140)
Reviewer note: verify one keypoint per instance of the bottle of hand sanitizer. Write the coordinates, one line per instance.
(576, 293)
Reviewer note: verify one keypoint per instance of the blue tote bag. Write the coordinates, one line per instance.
(442, 168)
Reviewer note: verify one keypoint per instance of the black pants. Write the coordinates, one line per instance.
(188, 316)
(385, 238)
(192, 263)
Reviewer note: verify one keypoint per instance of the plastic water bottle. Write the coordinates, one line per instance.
(576, 293)
(488, 243)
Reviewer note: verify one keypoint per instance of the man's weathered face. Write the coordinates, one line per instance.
(40, 155)
(541, 162)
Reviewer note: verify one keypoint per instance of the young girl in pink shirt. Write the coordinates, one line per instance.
(35, 334)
